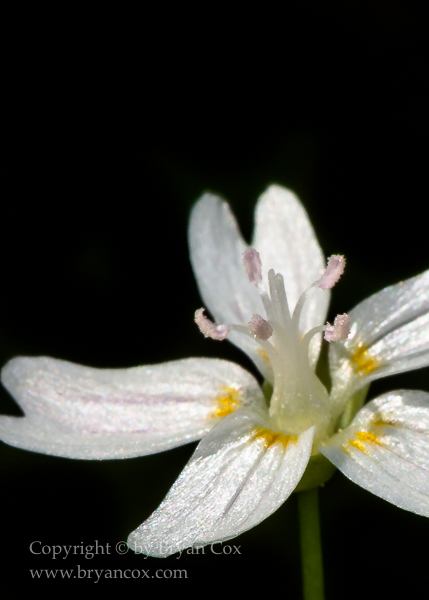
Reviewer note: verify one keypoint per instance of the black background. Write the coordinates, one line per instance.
(115, 124)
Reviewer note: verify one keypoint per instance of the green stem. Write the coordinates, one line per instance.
(311, 547)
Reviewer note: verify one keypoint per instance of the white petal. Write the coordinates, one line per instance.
(389, 334)
(236, 478)
(82, 412)
(287, 243)
(216, 250)
(386, 449)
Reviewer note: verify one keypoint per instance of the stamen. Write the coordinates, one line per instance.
(333, 272)
(339, 331)
(208, 328)
(260, 328)
(252, 265)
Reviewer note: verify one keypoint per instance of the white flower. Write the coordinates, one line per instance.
(251, 461)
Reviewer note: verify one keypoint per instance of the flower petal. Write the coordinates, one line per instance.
(286, 242)
(386, 449)
(240, 473)
(216, 251)
(389, 334)
(82, 412)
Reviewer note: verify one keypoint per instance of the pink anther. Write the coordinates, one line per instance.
(252, 265)
(208, 328)
(340, 330)
(260, 328)
(333, 272)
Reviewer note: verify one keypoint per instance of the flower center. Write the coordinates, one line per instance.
(299, 399)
